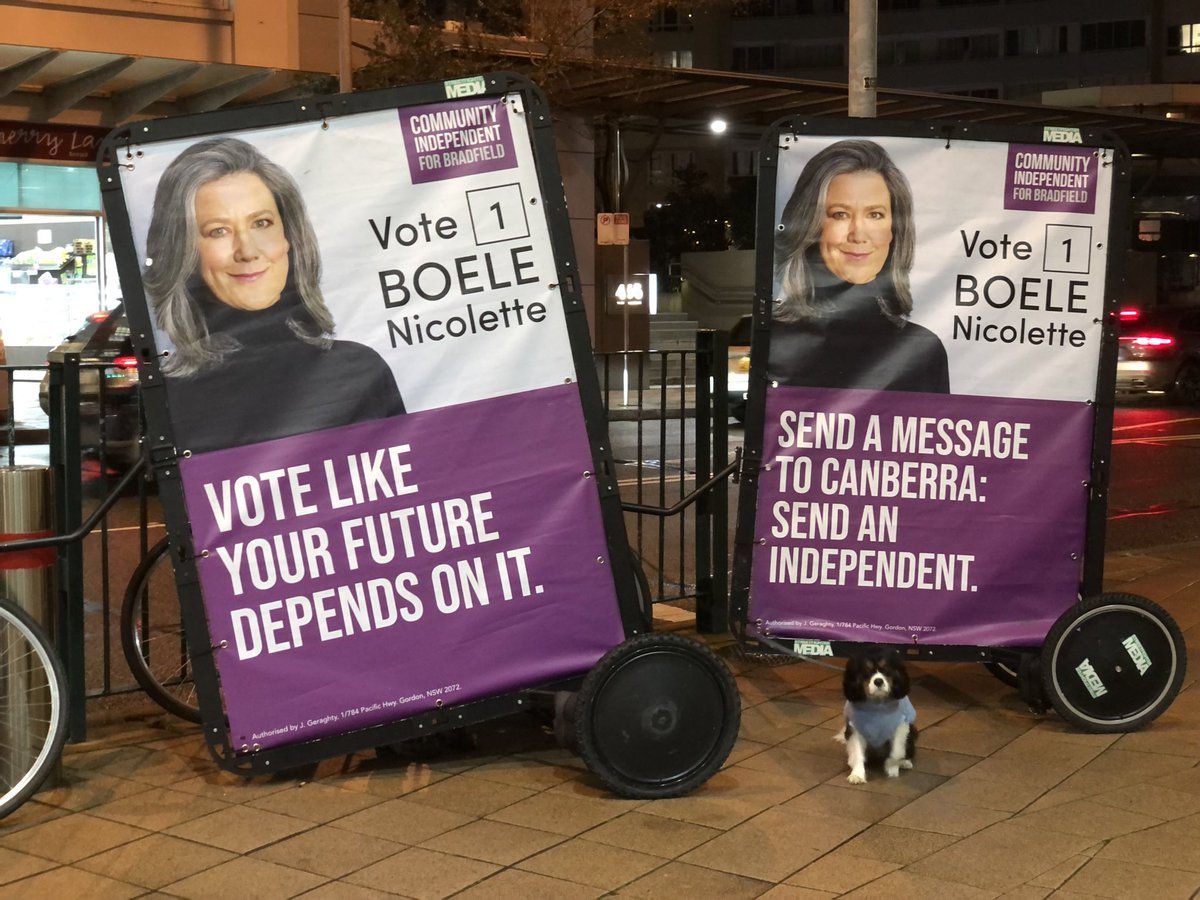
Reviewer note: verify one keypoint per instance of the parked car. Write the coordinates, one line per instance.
(1159, 353)
(108, 387)
(739, 366)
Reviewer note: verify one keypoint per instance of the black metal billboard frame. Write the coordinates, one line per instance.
(1092, 565)
(120, 150)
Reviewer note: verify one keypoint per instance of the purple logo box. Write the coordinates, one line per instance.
(453, 140)
(1043, 178)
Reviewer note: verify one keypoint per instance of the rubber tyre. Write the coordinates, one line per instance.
(173, 690)
(1092, 673)
(29, 753)
(656, 717)
(1186, 389)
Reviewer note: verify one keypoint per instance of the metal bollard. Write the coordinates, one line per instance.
(27, 579)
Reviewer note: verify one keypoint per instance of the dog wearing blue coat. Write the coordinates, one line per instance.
(879, 715)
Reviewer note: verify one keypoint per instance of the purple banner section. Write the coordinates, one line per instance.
(903, 517)
(452, 140)
(363, 574)
(1047, 178)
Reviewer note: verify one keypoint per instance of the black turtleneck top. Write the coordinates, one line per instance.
(275, 384)
(851, 343)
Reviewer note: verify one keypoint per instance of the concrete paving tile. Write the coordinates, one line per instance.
(976, 732)
(656, 835)
(1057, 875)
(1024, 779)
(239, 828)
(342, 890)
(591, 863)
(1000, 857)
(514, 884)
(773, 845)
(1173, 845)
(806, 769)
(421, 874)
(1007, 795)
(1174, 733)
(1117, 768)
(157, 808)
(820, 740)
(245, 876)
(909, 884)
(754, 690)
(30, 813)
(391, 781)
(845, 800)
(493, 842)
(562, 812)
(792, 892)
(402, 821)
(678, 879)
(1027, 892)
(896, 845)
(771, 723)
(934, 812)
(71, 838)
(530, 774)
(743, 750)
(470, 795)
(731, 796)
(315, 802)
(942, 762)
(69, 882)
(329, 851)
(154, 767)
(14, 866)
(841, 871)
(1185, 781)
(80, 789)
(908, 784)
(1131, 881)
(1088, 819)
(154, 861)
(230, 788)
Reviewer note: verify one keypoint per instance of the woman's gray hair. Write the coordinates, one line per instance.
(173, 255)
(801, 225)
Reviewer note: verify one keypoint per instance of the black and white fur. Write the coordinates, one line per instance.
(876, 677)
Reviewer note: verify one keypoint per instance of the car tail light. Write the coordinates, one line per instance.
(125, 362)
(98, 316)
(1148, 345)
(1129, 315)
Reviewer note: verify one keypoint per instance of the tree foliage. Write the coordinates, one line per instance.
(424, 40)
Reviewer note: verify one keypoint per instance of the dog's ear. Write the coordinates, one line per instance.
(900, 682)
(852, 681)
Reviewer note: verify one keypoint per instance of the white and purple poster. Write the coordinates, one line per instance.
(937, 313)
(370, 382)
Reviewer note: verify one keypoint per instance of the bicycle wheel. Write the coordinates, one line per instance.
(33, 706)
(152, 635)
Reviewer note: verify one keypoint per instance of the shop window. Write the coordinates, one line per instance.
(34, 186)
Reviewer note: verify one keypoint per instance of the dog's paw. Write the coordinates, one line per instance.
(906, 763)
(892, 769)
(857, 778)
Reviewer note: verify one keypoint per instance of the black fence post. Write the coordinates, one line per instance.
(712, 509)
(65, 456)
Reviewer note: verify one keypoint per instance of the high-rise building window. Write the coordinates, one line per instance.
(968, 46)
(673, 59)
(1112, 35)
(670, 19)
(1035, 40)
(1183, 39)
(757, 58)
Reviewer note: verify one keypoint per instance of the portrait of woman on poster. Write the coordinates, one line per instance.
(843, 252)
(233, 272)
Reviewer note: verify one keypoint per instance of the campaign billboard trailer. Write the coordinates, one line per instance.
(373, 413)
(931, 385)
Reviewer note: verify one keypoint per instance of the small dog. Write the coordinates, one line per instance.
(879, 715)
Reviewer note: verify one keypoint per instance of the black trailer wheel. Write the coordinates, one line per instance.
(1113, 663)
(656, 716)
(1004, 672)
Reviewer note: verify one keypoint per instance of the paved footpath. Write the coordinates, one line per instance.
(1002, 802)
